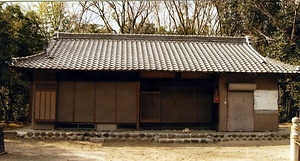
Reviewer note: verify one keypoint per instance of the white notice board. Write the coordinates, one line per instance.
(265, 100)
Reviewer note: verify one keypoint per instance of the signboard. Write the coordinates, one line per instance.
(265, 100)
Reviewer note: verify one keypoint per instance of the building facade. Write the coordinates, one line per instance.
(107, 81)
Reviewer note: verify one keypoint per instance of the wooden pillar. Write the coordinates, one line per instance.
(2, 149)
(294, 147)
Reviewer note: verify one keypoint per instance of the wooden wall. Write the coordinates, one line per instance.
(43, 99)
(185, 105)
(263, 121)
(97, 102)
(177, 98)
(105, 99)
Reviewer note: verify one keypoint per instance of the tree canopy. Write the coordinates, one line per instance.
(20, 35)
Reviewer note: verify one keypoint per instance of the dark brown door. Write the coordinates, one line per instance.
(177, 105)
(240, 111)
(65, 104)
(150, 111)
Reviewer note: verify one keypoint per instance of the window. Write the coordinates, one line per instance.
(45, 102)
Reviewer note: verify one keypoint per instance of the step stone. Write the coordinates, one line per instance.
(185, 140)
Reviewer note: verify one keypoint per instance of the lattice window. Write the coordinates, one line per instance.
(45, 102)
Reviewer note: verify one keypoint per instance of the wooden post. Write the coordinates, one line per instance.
(2, 149)
(294, 147)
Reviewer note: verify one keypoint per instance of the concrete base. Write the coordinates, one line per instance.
(42, 126)
(106, 127)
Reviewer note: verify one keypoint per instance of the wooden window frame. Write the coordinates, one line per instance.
(45, 101)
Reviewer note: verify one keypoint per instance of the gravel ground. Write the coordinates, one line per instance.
(28, 150)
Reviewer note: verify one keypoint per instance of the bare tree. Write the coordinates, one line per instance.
(128, 16)
(193, 17)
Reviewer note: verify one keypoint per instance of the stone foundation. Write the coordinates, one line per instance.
(171, 137)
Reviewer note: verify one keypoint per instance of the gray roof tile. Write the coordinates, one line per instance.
(150, 52)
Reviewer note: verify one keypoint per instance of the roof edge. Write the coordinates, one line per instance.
(162, 37)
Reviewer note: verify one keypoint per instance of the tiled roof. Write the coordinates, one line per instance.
(150, 52)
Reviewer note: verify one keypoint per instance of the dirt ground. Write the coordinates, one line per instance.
(27, 150)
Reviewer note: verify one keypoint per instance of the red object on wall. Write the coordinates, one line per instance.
(216, 95)
(216, 99)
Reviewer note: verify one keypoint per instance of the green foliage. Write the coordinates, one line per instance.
(53, 16)
(276, 26)
(275, 29)
(283, 29)
(20, 35)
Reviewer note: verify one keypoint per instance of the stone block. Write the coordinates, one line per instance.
(97, 140)
(203, 140)
(21, 136)
(210, 140)
(178, 140)
(225, 139)
(166, 141)
(73, 138)
(64, 134)
(50, 134)
(113, 135)
(80, 138)
(70, 134)
(125, 135)
(99, 134)
(107, 135)
(62, 138)
(120, 135)
(194, 140)
(193, 135)
(141, 135)
(29, 133)
(198, 135)
(233, 135)
(148, 135)
(163, 135)
(43, 133)
(92, 134)
(134, 135)
(37, 133)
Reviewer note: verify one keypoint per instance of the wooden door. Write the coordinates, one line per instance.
(65, 104)
(84, 102)
(240, 111)
(185, 105)
(127, 102)
(150, 103)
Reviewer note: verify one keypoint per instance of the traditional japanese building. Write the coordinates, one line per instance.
(106, 81)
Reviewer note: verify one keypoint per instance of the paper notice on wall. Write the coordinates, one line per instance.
(265, 100)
